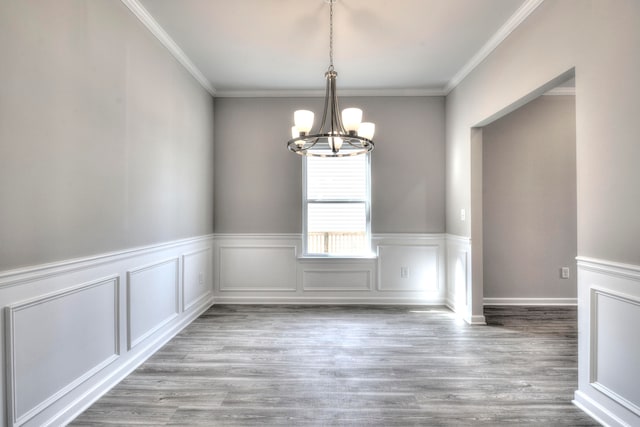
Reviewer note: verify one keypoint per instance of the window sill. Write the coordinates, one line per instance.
(349, 258)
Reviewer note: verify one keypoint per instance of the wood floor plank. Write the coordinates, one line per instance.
(244, 365)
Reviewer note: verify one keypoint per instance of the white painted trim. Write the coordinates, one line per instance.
(10, 380)
(156, 29)
(42, 271)
(475, 319)
(596, 411)
(409, 236)
(595, 293)
(561, 91)
(532, 301)
(167, 41)
(438, 246)
(257, 236)
(317, 93)
(204, 296)
(597, 277)
(512, 23)
(627, 271)
(309, 288)
(454, 238)
(310, 259)
(224, 287)
(290, 236)
(25, 285)
(131, 343)
(310, 300)
(79, 405)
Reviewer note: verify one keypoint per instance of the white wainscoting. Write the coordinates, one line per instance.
(268, 268)
(257, 268)
(609, 344)
(196, 278)
(152, 299)
(337, 278)
(74, 329)
(458, 273)
(56, 341)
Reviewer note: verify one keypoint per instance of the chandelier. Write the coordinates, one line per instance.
(339, 135)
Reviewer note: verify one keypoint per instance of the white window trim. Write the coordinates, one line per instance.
(305, 203)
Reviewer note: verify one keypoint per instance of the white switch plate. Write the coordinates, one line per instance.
(463, 214)
(564, 273)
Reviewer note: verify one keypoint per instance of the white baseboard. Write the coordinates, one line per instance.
(597, 411)
(532, 301)
(475, 320)
(326, 301)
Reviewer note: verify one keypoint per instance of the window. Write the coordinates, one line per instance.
(336, 199)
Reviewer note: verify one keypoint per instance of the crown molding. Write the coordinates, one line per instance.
(152, 25)
(512, 23)
(561, 91)
(321, 93)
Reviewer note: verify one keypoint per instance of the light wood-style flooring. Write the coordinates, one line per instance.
(244, 365)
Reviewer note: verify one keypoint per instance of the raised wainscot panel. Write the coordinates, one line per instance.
(196, 277)
(152, 299)
(615, 342)
(57, 341)
(458, 275)
(264, 268)
(336, 280)
(408, 268)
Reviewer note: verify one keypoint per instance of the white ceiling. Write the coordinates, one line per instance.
(242, 47)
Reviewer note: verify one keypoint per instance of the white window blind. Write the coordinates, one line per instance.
(337, 205)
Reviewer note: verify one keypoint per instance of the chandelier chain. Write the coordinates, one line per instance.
(331, 35)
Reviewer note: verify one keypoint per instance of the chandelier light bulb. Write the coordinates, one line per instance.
(351, 118)
(303, 120)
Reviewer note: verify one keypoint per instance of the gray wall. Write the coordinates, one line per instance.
(602, 41)
(529, 201)
(258, 186)
(105, 140)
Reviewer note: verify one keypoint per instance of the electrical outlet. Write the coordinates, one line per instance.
(404, 272)
(463, 215)
(201, 278)
(564, 273)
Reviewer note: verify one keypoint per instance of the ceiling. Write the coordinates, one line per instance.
(249, 47)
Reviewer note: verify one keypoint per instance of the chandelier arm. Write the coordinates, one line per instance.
(333, 108)
(326, 104)
(336, 109)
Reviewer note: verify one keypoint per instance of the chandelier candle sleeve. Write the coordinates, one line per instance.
(351, 118)
(366, 130)
(303, 120)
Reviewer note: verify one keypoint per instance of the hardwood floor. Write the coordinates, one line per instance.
(355, 365)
